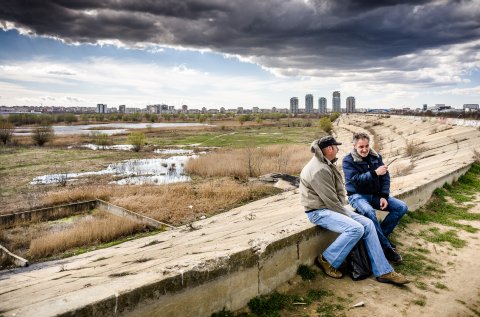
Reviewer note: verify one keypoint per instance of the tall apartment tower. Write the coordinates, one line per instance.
(336, 105)
(322, 105)
(309, 103)
(101, 108)
(294, 105)
(350, 104)
(121, 108)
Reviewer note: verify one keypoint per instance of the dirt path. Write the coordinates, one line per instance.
(452, 289)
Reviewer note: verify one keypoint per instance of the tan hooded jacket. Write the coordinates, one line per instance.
(321, 184)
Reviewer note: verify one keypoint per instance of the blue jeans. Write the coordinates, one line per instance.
(366, 205)
(350, 230)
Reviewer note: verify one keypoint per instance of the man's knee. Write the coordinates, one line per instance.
(356, 231)
(401, 208)
(367, 211)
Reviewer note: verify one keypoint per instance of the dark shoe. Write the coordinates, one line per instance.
(392, 255)
(393, 278)
(327, 268)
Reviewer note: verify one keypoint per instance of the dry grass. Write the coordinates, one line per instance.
(412, 149)
(175, 203)
(251, 162)
(89, 231)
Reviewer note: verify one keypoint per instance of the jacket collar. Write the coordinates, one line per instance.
(314, 148)
(357, 158)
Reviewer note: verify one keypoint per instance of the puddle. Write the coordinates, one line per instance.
(173, 151)
(118, 147)
(134, 172)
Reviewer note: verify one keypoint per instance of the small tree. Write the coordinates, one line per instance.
(101, 139)
(6, 131)
(42, 134)
(137, 139)
(325, 124)
(334, 116)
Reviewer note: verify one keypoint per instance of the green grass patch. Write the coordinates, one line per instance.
(439, 210)
(331, 310)
(436, 236)
(420, 285)
(417, 264)
(270, 305)
(306, 272)
(440, 285)
(239, 137)
(420, 302)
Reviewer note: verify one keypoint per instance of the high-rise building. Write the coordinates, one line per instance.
(309, 103)
(121, 108)
(322, 105)
(425, 107)
(350, 104)
(294, 105)
(336, 102)
(101, 108)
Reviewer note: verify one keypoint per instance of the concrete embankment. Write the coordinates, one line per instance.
(219, 262)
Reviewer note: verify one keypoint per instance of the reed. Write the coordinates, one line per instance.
(250, 161)
(89, 231)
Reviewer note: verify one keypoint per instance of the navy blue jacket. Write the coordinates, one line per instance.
(360, 176)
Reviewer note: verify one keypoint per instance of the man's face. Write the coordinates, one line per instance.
(362, 147)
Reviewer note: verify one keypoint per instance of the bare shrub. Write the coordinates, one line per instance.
(412, 149)
(42, 134)
(401, 169)
(101, 139)
(6, 131)
(137, 139)
(90, 231)
(234, 163)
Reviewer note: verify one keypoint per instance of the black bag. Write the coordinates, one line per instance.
(358, 262)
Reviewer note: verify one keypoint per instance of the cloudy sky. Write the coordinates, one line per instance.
(248, 53)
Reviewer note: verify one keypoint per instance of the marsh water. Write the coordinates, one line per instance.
(108, 128)
(156, 171)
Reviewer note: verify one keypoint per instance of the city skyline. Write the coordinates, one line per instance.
(225, 54)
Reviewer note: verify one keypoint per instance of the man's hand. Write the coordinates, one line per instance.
(383, 203)
(381, 170)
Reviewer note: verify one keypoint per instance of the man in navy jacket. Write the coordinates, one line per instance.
(367, 182)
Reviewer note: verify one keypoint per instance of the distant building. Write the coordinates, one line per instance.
(350, 104)
(309, 103)
(322, 105)
(425, 107)
(101, 108)
(121, 108)
(336, 102)
(184, 108)
(255, 110)
(470, 107)
(240, 110)
(294, 105)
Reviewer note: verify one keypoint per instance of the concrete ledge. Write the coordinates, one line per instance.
(48, 213)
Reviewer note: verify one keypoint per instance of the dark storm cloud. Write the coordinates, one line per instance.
(296, 34)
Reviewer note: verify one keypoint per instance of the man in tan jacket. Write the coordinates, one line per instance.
(322, 194)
